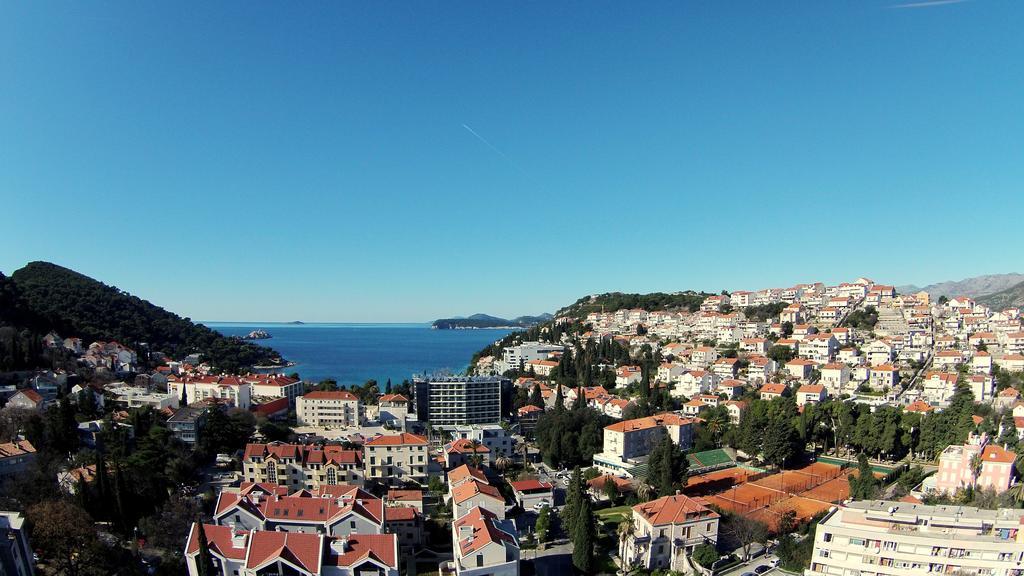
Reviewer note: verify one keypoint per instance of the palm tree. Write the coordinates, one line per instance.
(1017, 492)
(476, 459)
(644, 491)
(503, 463)
(625, 531)
(975, 468)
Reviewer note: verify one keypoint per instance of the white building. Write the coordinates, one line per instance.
(328, 409)
(884, 537)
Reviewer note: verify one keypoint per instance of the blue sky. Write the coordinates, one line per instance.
(385, 161)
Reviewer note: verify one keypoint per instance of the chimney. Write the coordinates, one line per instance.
(465, 531)
(340, 545)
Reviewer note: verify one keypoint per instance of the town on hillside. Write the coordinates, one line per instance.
(817, 430)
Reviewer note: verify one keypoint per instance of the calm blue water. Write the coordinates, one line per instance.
(355, 353)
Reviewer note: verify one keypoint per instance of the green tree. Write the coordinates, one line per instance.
(705, 555)
(666, 467)
(204, 562)
(536, 399)
(543, 525)
(583, 536)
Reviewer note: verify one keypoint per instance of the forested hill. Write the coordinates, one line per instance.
(42, 296)
(612, 301)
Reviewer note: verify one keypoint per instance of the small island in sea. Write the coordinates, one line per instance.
(479, 321)
(257, 335)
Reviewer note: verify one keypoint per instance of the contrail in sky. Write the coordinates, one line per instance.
(492, 147)
(927, 3)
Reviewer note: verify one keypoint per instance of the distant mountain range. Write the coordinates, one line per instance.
(973, 287)
(1009, 298)
(488, 321)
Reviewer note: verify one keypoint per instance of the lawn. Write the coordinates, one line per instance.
(617, 514)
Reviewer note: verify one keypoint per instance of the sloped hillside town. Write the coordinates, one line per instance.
(779, 429)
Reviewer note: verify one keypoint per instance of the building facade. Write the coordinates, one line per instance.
(885, 537)
(306, 466)
(396, 458)
(457, 401)
(328, 409)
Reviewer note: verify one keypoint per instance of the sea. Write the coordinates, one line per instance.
(355, 353)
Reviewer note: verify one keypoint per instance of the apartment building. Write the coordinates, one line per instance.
(977, 463)
(484, 545)
(515, 357)
(875, 537)
(238, 552)
(328, 409)
(665, 528)
(331, 510)
(396, 458)
(627, 443)
(455, 401)
(226, 389)
(275, 386)
(306, 466)
(15, 550)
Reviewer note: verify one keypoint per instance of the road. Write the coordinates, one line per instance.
(556, 560)
(768, 560)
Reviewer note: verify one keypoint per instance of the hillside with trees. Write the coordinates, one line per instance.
(612, 301)
(44, 297)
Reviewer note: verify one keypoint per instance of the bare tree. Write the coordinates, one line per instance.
(744, 531)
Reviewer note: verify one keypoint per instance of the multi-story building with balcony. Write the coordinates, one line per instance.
(666, 528)
(302, 466)
(396, 458)
(457, 401)
(328, 409)
(875, 537)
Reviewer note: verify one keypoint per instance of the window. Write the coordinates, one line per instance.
(332, 477)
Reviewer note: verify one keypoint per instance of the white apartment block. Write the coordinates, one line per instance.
(328, 409)
(514, 357)
(875, 538)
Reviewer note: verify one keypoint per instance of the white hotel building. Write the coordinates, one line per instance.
(887, 538)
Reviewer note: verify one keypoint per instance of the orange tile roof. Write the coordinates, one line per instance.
(403, 438)
(331, 395)
(295, 547)
(466, 472)
(359, 547)
(919, 406)
(997, 454)
(473, 488)
(676, 509)
(482, 523)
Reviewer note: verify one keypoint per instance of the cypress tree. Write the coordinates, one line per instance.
(102, 489)
(535, 397)
(581, 399)
(573, 497)
(559, 398)
(583, 538)
(204, 562)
